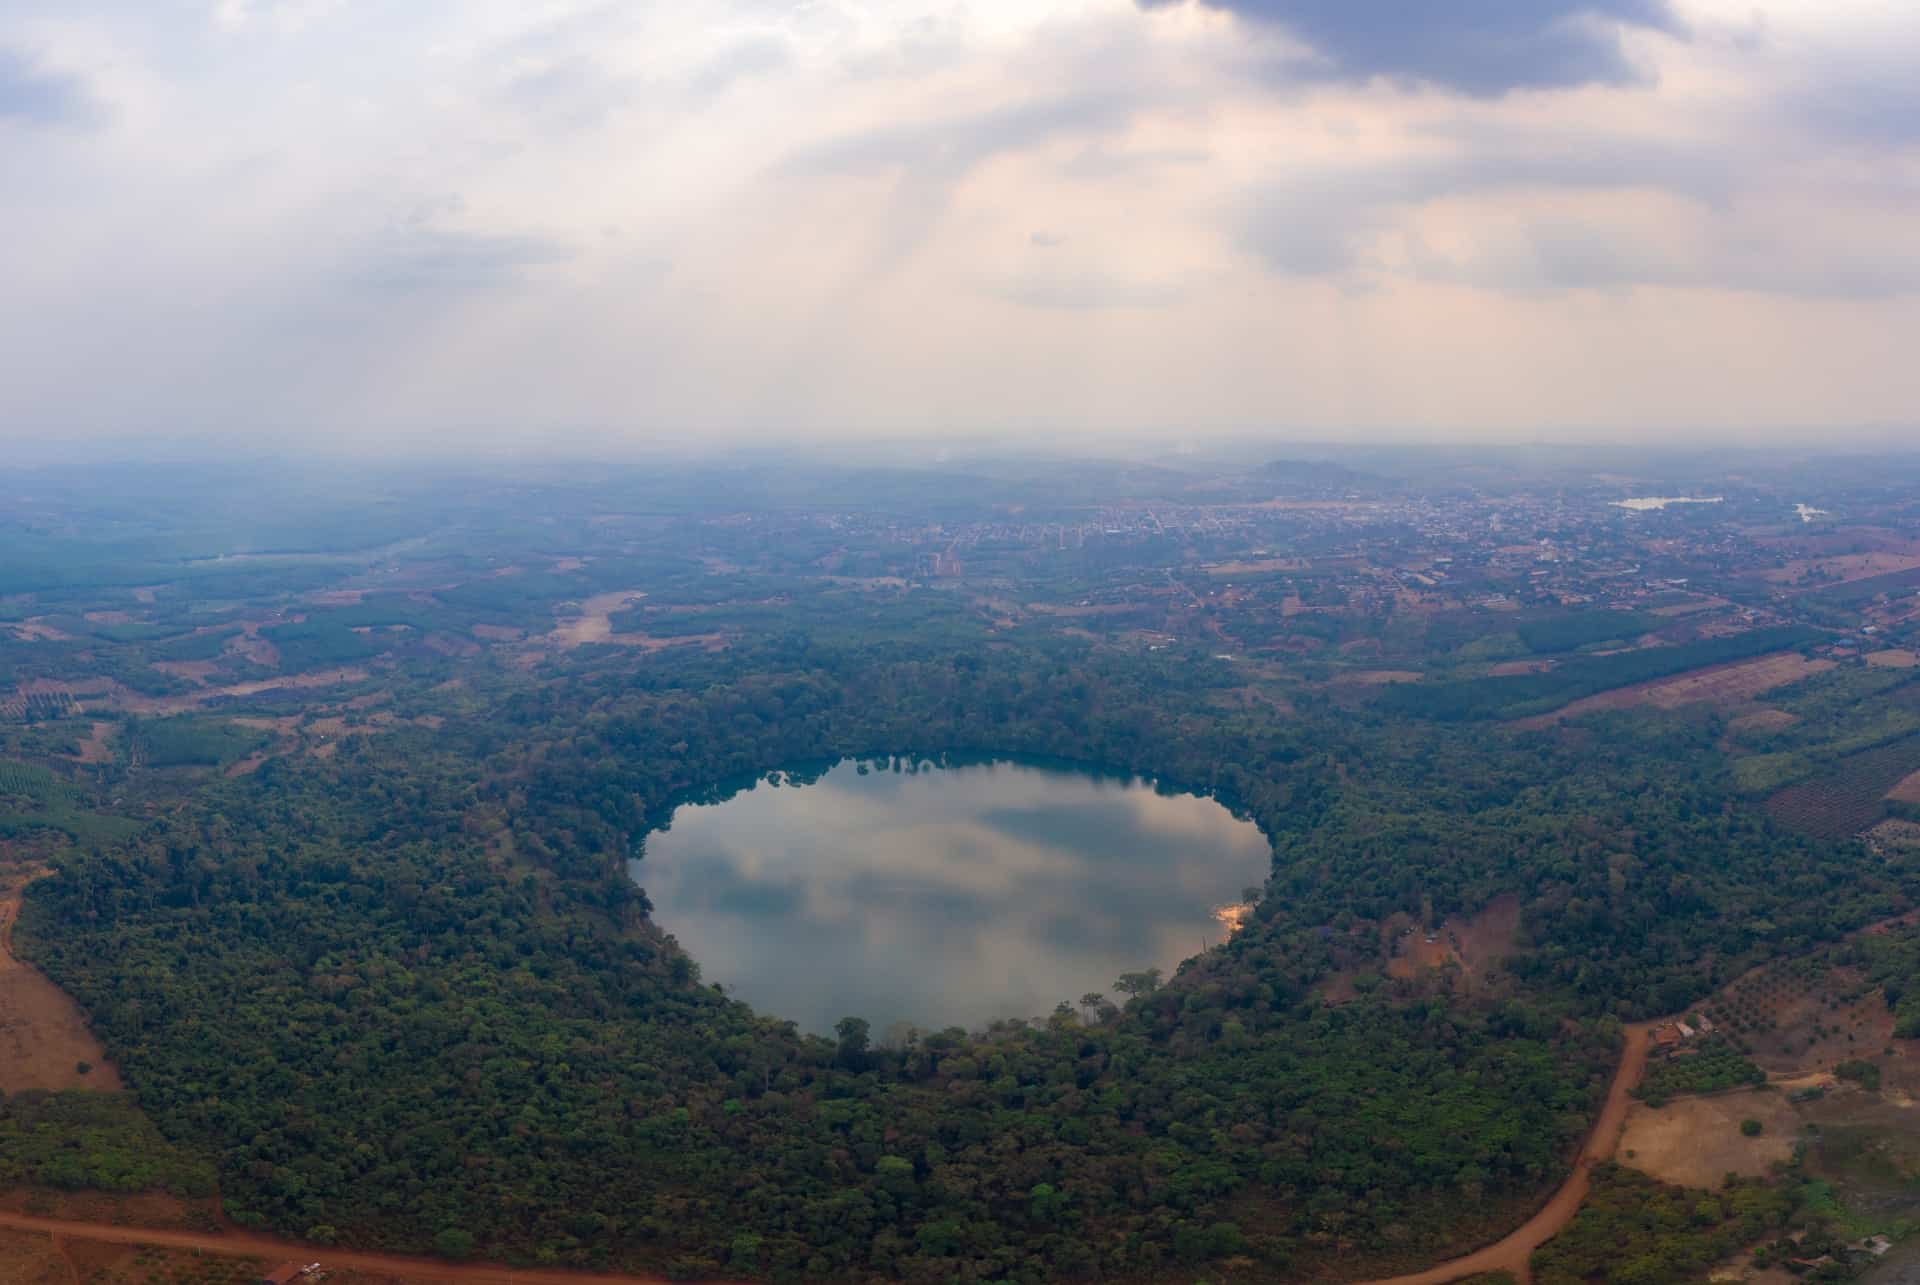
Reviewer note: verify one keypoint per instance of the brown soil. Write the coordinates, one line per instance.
(43, 1037)
(97, 1243)
(135, 703)
(1852, 566)
(594, 624)
(1515, 1252)
(1895, 658)
(27, 1259)
(1475, 945)
(1696, 1142)
(1378, 677)
(1907, 791)
(1782, 1009)
(1719, 684)
(1510, 668)
(145, 1209)
(98, 745)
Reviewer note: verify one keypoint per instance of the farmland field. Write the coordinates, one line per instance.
(1851, 797)
(1719, 685)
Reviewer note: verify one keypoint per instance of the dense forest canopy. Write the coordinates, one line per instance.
(408, 996)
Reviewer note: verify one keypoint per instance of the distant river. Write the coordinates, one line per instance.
(944, 897)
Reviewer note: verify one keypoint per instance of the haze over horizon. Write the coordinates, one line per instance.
(488, 225)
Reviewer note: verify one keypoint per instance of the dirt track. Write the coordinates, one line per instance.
(244, 1245)
(1515, 1252)
(1510, 1254)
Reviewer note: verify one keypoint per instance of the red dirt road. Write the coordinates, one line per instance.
(245, 1245)
(1514, 1254)
(1510, 1254)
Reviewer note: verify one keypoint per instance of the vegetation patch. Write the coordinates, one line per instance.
(1580, 676)
(79, 1140)
(1636, 1228)
(1574, 630)
(1851, 796)
(1714, 1065)
(190, 741)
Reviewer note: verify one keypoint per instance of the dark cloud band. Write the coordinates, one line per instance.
(1483, 48)
(31, 93)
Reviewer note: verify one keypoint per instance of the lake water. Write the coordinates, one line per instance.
(947, 897)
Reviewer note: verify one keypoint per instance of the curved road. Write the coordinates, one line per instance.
(1515, 1252)
(1510, 1254)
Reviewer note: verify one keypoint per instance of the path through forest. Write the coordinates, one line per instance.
(1514, 1253)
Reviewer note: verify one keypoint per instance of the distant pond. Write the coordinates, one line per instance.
(944, 895)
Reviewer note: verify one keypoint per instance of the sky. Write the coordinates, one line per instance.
(471, 223)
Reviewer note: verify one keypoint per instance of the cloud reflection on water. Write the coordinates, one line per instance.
(944, 897)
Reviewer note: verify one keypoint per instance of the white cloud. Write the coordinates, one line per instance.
(927, 216)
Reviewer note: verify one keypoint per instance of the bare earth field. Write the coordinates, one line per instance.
(1907, 791)
(43, 1038)
(1696, 1142)
(1718, 684)
(1846, 567)
(594, 624)
(1893, 658)
(134, 703)
(27, 1259)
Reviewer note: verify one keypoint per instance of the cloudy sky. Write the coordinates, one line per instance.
(469, 220)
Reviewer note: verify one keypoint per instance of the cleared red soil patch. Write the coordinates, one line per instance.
(1696, 1141)
(1907, 791)
(43, 1037)
(32, 1260)
(1475, 945)
(1894, 658)
(1717, 684)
